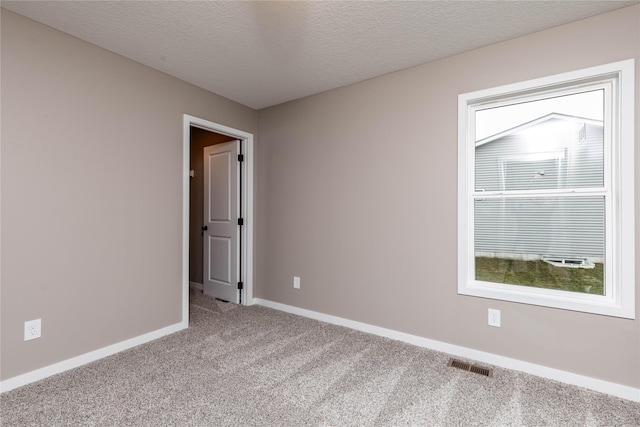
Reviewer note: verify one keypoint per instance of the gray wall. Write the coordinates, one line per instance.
(91, 193)
(357, 189)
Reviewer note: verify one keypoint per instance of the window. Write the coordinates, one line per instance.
(546, 191)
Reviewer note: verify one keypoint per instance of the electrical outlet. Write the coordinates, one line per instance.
(32, 329)
(296, 282)
(494, 317)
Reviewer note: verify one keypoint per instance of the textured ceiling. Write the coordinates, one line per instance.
(265, 53)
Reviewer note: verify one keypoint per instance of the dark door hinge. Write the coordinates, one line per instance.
(240, 221)
(240, 285)
(241, 157)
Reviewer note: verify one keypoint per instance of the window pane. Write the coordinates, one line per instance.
(553, 150)
(549, 242)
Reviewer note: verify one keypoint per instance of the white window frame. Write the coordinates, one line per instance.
(619, 298)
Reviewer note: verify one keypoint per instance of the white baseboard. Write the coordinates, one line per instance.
(196, 285)
(65, 365)
(595, 384)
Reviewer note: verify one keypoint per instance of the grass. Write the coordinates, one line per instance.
(540, 274)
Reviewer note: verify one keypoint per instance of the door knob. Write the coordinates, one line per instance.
(204, 228)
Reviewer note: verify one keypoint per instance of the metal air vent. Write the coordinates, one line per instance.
(459, 364)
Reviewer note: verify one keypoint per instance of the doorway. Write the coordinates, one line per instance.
(200, 133)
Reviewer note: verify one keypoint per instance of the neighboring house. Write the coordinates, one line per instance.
(555, 151)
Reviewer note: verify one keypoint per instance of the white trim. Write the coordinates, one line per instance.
(595, 384)
(246, 140)
(196, 285)
(248, 220)
(592, 74)
(186, 162)
(74, 362)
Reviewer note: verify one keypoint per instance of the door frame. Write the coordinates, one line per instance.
(246, 147)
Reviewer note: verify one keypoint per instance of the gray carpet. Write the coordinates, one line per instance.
(253, 366)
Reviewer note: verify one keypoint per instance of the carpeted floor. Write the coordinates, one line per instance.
(253, 366)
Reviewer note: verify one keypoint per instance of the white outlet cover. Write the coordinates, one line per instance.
(494, 317)
(32, 329)
(296, 282)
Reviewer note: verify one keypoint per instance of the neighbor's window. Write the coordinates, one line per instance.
(546, 191)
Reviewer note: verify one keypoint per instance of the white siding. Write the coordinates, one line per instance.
(529, 228)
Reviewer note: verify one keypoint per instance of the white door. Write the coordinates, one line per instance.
(220, 227)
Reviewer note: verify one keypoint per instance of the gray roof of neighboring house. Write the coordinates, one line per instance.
(551, 116)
